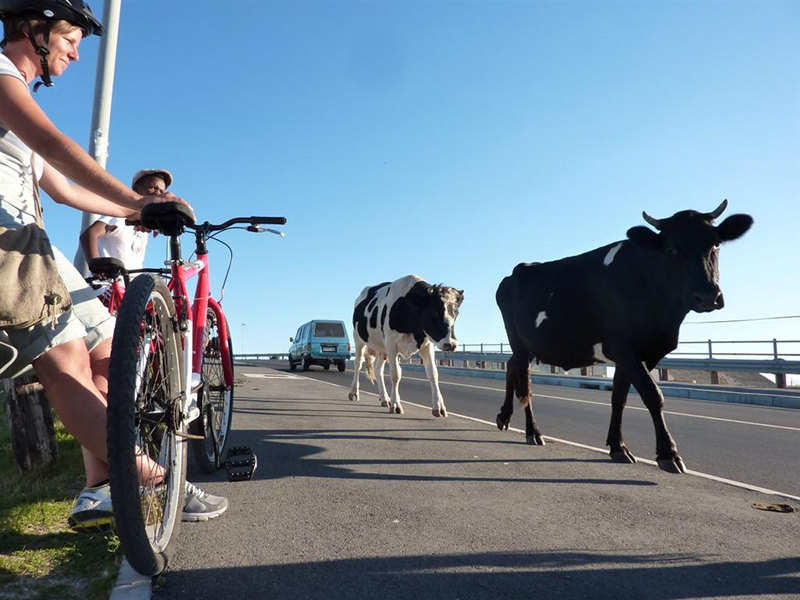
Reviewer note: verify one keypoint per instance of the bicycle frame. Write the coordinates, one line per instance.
(192, 315)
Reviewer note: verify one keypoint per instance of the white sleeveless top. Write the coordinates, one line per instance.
(16, 178)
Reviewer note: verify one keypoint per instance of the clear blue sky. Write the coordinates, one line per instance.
(454, 140)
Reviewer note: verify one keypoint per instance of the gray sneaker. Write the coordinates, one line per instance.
(202, 506)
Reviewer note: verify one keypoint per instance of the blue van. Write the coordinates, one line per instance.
(320, 342)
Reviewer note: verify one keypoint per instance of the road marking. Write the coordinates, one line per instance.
(267, 376)
(739, 484)
(608, 404)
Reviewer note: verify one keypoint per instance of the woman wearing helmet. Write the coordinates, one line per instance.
(70, 352)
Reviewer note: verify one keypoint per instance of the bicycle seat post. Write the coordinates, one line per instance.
(175, 248)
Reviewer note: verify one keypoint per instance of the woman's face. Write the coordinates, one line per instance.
(63, 50)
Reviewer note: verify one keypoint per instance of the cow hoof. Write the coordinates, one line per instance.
(502, 424)
(672, 465)
(398, 410)
(622, 456)
(534, 440)
(439, 412)
(384, 403)
(352, 397)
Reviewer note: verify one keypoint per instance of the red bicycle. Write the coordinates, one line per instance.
(170, 379)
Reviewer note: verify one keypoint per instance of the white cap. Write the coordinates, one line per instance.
(163, 173)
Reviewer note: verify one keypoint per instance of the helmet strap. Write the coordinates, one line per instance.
(43, 51)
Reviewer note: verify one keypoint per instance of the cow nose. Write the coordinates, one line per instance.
(708, 301)
(449, 346)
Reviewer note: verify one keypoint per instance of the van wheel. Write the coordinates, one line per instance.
(304, 363)
(327, 366)
(341, 366)
(292, 364)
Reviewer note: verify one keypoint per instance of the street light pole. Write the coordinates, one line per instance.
(101, 114)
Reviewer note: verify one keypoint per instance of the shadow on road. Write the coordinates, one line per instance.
(502, 575)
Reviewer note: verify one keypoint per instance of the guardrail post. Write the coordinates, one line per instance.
(710, 354)
(775, 349)
(780, 380)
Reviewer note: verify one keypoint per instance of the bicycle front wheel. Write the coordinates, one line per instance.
(146, 429)
(215, 399)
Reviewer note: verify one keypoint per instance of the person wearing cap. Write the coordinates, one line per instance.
(111, 237)
(70, 348)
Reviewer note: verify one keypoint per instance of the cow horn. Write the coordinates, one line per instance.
(718, 211)
(654, 222)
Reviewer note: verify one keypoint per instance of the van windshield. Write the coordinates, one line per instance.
(328, 330)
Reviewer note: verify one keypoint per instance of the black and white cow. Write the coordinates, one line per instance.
(622, 304)
(400, 318)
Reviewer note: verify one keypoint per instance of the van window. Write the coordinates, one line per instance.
(328, 330)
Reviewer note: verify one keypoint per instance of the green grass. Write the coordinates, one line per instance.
(40, 556)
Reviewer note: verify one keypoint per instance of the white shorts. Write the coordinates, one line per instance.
(87, 319)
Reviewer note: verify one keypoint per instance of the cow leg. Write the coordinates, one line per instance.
(358, 361)
(518, 381)
(395, 373)
(667, 455)
(437, 402)
(619, 396)
(383, 396)
(532, 434)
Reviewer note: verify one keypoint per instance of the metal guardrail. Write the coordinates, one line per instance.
(774, 348)
(704, 364)
(780, 359)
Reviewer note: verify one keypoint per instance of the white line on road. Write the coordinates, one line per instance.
(269, 376)
(667, 412)
(739, 484)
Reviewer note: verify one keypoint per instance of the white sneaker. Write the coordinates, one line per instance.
(92, 510)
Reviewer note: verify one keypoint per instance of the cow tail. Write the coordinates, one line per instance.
(522, 380)
(370, 369)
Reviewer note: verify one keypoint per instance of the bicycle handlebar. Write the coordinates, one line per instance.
(251, 220)
(209, 227)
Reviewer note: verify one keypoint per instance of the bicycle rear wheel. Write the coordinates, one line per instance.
(146, 383)
(215, 399)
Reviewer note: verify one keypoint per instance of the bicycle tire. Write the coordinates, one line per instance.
(215, 400)
(146, 383)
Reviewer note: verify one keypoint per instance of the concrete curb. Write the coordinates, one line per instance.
(131, 585)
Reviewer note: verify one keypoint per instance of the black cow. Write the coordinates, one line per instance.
(402, 318)
(622, 304)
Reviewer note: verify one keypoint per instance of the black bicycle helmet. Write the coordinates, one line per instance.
(76, 12)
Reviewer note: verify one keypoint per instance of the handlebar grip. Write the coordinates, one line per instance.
(268, 220)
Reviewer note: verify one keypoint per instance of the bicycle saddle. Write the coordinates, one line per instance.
(170, 218)
(107, 267)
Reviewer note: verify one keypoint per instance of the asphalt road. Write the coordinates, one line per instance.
(757, 445)
(350, 502)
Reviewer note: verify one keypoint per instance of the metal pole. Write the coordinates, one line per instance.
(101, 114)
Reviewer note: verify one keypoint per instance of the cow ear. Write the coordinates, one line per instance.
(460, 296)
(646, 238)
(734, 227)
(419, 295)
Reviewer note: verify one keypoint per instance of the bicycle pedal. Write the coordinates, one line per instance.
(241, 463)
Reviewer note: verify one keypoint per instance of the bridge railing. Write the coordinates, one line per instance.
(758, 349)
(777, 357)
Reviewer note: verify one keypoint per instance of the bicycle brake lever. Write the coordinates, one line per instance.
(257, 229)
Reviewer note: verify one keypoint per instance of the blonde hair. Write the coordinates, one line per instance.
(16, 27)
